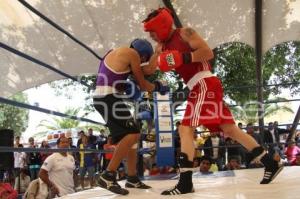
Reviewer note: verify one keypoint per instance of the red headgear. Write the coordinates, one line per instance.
(161, 24)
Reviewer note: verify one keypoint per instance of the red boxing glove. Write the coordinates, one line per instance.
(168, 60)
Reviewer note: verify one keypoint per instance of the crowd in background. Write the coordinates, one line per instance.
(214, 151)
(223, 153)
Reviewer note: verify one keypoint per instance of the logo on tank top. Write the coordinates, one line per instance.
(170, 59)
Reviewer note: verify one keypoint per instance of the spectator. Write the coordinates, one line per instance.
(198, 143)
(297, 137)
(283, 136)
(297, 162)
(250, 131)
(271, 139)
(205, 165)
(258, 138)
(109, 146)
(196, 162)
(92, 138)
(87, 162)
(233, 163)
(71, 144)
(19, 162)
(34, 160)
(74, 154)
(233, 149)
(76, 158)
(44, 155)
(17, 142)
(291, 151)
(57, 170)
(177, 137)
(19, 158)
(271, 135)
(214, 149)
(22, 181)
(102, 139)
(80, 134)
(154, 170)
(177, 144)
(281, 131)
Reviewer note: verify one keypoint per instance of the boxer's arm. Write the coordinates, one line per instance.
(151, 67)
(202, 51)
(135, 64)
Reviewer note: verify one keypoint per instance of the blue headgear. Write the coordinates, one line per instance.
(143, 47)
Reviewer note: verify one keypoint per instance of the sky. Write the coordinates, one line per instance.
(46, 98)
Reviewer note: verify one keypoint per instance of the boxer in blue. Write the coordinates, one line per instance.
(109, 96)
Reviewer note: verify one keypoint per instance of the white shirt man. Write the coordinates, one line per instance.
(57, 171)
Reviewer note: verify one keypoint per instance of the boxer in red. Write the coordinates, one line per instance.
(184, 51)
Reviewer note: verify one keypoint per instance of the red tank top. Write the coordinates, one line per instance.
(186, 71)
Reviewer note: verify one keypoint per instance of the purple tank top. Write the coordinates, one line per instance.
(107, 77)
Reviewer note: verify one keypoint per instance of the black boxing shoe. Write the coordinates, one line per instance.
(107, 180)
(185, 184)
(134, 182)
(272, 167)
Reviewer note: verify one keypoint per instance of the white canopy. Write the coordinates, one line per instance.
(105, 24)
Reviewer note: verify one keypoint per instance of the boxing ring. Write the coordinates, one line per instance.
(41, 37)
(238, 184)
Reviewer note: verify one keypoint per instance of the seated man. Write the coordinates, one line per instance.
(22, 181)
(233, 164)
(205, 165)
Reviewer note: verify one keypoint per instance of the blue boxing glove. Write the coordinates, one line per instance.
(161, 88)
(132, 91)
(144, 115)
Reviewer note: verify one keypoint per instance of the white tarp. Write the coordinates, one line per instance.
(105, 24)
(243, 184)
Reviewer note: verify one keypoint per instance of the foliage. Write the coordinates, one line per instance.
(248, 112)
(284, 62)
(12, 117)
(235, 64)
(57, 123)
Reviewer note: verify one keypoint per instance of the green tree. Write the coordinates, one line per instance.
(14, 118)
(248, 112)
(283, 61)
(235, 64)
(57, 123)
